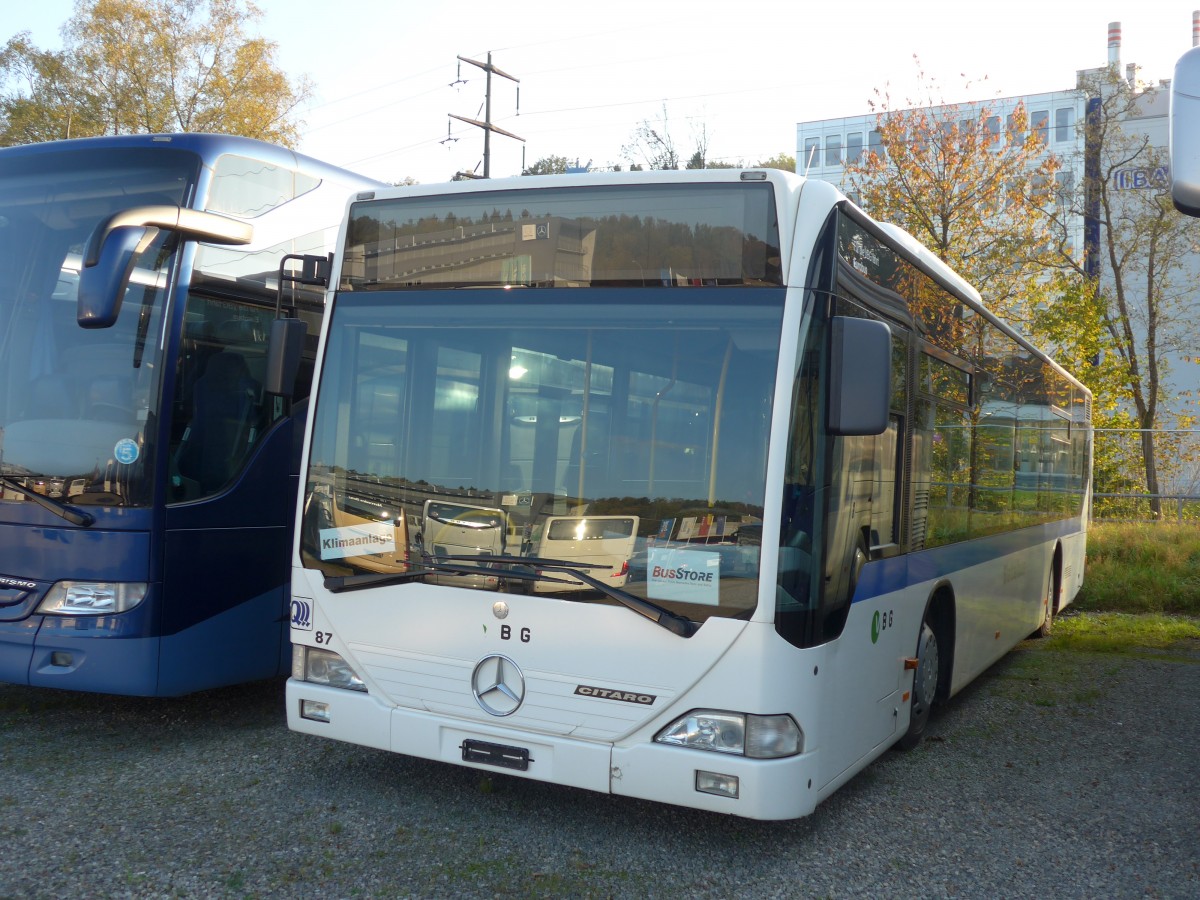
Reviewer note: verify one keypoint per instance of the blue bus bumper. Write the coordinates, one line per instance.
(105, 654)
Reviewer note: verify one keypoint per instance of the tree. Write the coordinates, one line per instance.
(968, 190)
(778, 161)
(1139, 288)
(136, 66)
(653, 144)
(548, 165)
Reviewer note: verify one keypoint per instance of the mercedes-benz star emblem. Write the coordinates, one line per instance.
(498, 685)
(500, 609)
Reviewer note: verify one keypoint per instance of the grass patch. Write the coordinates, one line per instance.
(1124, 633)
(1142, 568)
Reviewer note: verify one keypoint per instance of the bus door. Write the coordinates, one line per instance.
(866, 677)
(228, 531)
(862, 546)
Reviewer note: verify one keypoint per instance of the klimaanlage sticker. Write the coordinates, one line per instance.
(358, 540)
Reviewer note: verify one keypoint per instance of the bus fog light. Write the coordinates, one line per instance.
(706, 729)
(326, 667)
(92, 598)
(314, 710)
(716, 783)
(773, 737)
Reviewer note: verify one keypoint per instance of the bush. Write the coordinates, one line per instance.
(1140, 568)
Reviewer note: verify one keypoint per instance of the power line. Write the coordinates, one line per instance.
(486, 124)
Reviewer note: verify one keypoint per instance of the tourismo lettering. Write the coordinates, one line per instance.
(681, 574)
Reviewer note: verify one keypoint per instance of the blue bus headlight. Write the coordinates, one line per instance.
(92, 598)
(318, 666)
(758, 737)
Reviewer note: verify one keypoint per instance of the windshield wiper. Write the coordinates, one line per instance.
(659, 615)
(338, 583)
(64, 510)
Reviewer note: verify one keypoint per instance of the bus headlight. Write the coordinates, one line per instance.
(317, 666)
(758, 737)
(92, 598)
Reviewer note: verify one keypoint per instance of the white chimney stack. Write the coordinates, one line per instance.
(1114, 44)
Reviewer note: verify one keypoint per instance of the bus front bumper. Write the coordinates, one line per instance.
(77, 654)
(766, 789)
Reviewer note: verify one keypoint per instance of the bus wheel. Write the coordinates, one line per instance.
(1051, 601)
(925, 683)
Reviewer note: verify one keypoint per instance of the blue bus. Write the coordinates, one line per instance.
(148, 471)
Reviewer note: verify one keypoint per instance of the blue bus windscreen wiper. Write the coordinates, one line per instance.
(63, 510)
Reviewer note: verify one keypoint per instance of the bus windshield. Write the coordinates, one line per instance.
(623, 434)
(77, 406)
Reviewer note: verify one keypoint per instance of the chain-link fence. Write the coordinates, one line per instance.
(1120, 475)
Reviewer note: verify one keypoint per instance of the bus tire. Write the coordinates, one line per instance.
(924, 689)
(1051, 601)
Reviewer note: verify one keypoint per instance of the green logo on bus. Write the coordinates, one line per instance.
(875, 627)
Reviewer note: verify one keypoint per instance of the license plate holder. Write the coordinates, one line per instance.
(499, 755)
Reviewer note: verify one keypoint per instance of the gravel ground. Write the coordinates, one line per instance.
(1055, 775)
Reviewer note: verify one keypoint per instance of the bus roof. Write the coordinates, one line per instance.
(205, 145)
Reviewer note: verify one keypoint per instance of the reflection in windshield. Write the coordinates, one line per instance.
(75, 404)
(626, 439)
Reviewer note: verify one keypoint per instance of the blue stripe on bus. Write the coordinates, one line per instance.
(888, 575)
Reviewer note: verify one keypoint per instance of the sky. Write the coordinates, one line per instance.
(385, 74)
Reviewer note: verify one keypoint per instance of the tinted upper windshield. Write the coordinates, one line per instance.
(473, 425)
(75, 403)
(647, 235)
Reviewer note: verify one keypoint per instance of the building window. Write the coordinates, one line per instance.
(833, 150)
(1015, 134)
(1039, 121)
(812, 154)
(993, 130)
(1064, 121)
(854, 147)
(1065, 189)
(875, 144)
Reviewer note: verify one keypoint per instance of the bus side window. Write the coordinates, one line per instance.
(218, 407)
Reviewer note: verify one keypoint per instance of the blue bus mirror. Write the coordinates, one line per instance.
(118, 241)
(860, 376)
(103, 279)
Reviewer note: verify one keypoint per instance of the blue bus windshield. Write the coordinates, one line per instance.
(75, 404)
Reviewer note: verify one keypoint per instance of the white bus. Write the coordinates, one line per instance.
(816, 426)
(451, 530)
(602, 545)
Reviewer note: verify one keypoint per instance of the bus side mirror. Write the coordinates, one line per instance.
(118, 241)
(284, 347)
(860, 376)
(1184, 139)
(102, 280)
